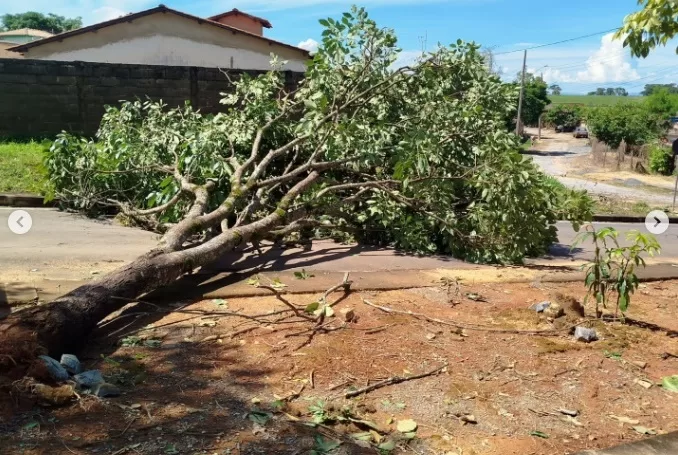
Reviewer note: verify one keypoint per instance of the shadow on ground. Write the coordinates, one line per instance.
(181, 397)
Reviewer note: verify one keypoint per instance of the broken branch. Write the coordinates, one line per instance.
(393, 380)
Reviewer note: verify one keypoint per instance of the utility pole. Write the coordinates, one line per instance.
(522, 93)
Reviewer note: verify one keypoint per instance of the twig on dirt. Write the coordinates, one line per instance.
(392, 381)
(664, 356)
(10, 358)
(340, 385)
(127, 427)
(245, 330)
(56, 434)
(345, 283)
(542, 413)
(568, 370)
(278, 295)
(311, 379)
(469, 326)
(294, 395)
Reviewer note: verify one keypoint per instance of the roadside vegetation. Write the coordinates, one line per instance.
(21, 167)
(593, 100)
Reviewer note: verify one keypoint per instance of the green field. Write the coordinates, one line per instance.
(21, 169)
(592, 100)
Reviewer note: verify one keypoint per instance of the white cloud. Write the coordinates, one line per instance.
(310, 45)
(579, 68)
(608, 64)
(106, 13)
(406, 58)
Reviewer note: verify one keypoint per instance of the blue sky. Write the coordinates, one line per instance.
(504, 25)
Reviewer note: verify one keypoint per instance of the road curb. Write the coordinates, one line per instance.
(626, 219)
(25, 200)
(666, 444)
(235, 285)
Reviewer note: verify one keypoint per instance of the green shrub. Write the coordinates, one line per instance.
(661, 160)
(567, 116)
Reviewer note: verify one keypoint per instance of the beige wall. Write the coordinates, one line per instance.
(243, 23)
(4, 53)
(168, 39)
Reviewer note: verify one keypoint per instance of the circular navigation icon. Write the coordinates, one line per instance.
(19, 222)
(657, 222)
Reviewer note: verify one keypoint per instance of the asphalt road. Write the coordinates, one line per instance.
(63, 245)
(567, 235)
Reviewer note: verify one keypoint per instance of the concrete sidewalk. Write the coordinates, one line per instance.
(659, 445)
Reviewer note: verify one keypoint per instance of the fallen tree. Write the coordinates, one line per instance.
(416, 157)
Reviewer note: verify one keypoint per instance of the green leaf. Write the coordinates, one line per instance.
(30, 425)
(312, 307)
(670, 383)
(220, 302)
(254, 281)
(387, 445)
(303, 275)
(323, 445)
(277, 284)
(539, 434)
(259, 417)
(623, 302)
(365, 436)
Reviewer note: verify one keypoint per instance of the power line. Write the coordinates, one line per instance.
(559, 42)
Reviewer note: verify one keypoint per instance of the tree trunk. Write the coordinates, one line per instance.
(62, 325)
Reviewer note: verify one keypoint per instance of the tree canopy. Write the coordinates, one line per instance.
(663, 103)
(555, 89)
(418, 157)
(535, 98)
(609, 91)
(563, 115)
(632, 123)
(654, 25)
(651, 88)
(51, 23)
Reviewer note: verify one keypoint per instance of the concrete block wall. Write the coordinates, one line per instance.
(40, 98)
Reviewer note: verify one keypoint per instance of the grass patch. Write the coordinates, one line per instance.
(21, 168)
(592, 100)
(604, 205)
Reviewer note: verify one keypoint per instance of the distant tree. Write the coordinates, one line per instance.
(663, 103)
(628, 122)
(610, 92)
(591, 93)
(600, 91)
(651, 88)
(650, 27)
(563, 115)
(555, 89)
(46, 22)
(621, 91)
(535, 100)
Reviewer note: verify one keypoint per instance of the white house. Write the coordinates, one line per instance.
(164, 36)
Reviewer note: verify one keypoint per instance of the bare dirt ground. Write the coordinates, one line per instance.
(207, 379)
